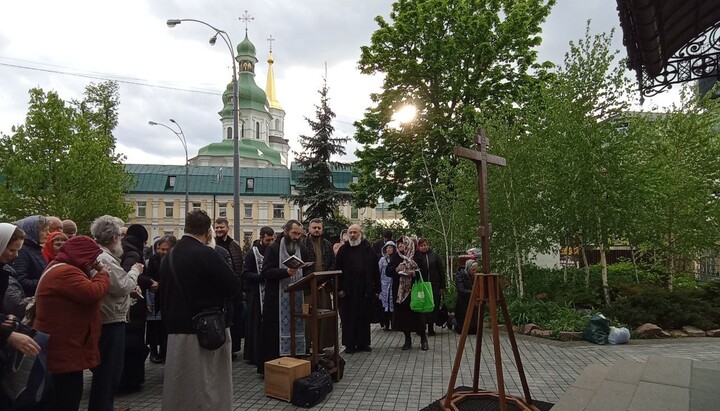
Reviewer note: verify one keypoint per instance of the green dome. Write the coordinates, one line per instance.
(246, 48)
(249, 149)
(251, 97)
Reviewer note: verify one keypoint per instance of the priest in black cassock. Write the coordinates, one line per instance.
(275, 328)
(358, 286)
(255, 291)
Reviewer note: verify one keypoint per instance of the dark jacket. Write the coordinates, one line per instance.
(358, 261)
(205, 278)
(29, 266)
(328, 256)
(236, 253)
(431, 269)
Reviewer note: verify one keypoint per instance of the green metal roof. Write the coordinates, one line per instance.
(153, 178)
(342, 175)
(248, 148)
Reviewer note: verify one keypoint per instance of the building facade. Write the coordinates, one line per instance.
(266, 176)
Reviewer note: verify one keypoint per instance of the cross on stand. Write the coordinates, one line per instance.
(486, 289)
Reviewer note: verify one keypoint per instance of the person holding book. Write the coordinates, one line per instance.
(286, 252)
(322, 254)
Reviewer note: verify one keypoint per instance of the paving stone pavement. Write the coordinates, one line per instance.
(391, 379)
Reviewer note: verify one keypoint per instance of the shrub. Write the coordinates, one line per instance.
(666, 309)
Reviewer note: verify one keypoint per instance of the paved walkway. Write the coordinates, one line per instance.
(391, 379)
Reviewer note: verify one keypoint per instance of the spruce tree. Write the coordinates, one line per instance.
(316, 193)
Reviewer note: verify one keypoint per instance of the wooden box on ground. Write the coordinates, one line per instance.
(280, 375)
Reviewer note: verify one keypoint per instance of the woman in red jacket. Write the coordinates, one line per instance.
(68, 308)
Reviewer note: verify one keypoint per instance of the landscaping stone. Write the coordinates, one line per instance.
(693, 331)
(649, 330)
(529, 327)
(678, 333)
(540, 333)
(664, 334)
(713, 333)
(570, 335)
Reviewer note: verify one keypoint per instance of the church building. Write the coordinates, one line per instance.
(266, 174)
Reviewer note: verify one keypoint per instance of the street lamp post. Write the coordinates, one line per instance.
(236, 115)
(181, 136)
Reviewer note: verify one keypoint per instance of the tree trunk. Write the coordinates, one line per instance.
(671, 274)
(603, 265)
(634, 261)
(585, 262)
(518, 261)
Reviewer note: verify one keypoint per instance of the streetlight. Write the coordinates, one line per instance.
(181, 136)
(236, 115)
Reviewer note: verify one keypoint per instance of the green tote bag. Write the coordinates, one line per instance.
(421, 296)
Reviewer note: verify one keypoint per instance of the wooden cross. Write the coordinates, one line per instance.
(247, 19)
(481, 158)
(486, 290)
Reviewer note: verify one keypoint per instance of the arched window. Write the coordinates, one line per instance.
(257, 130)
(229, 133)
(242, 130)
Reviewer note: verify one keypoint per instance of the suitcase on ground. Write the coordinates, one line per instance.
(310, 390)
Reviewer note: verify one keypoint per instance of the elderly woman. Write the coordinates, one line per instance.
(68, 308)
(386, 283)
(403, 270)
(30, 264)
(463, 284)
(52, 245)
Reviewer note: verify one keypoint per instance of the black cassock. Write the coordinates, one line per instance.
(360, 281)
(253, 317)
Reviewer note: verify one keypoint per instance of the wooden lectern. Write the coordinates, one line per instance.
(313, 282)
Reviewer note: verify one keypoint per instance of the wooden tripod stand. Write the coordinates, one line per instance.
(486, 291)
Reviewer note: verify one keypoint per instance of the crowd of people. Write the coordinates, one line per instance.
(108, 300)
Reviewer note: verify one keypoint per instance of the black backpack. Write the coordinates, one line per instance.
(310, 390)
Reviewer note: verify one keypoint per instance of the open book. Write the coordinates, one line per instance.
(296, 263)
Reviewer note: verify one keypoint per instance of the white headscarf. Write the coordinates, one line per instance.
(6, 231)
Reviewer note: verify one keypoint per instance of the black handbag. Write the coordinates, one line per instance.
(310, 390)
(443, 315)
(209, 324)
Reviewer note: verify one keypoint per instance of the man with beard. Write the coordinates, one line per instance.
(358, 285)
(222, 239)
(275, 327)
(321, 252)
(113, 310)
(254, 292)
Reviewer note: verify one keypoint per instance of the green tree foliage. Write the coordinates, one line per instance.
(678, 213)
(62, 160)
(316, 191)
(452, 59)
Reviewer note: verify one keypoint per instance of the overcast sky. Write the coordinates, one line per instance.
(174, 72)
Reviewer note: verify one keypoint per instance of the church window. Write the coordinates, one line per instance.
(141, 209)
(242, 129)
(229, 133)
(248, 211)
(278, 211)
(169, 209)
(222, 210)
(257, 130)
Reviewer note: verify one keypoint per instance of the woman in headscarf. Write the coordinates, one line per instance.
(30, 264)
(52, 245)
(133, 375)
(68, 308)
(386, 281)
(463, 284)
(403, 271)
(11, 240)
